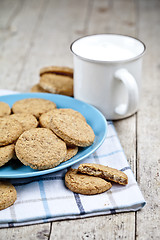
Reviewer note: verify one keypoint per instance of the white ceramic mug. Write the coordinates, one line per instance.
(107, 73)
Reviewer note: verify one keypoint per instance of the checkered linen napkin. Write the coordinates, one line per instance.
(44, 199)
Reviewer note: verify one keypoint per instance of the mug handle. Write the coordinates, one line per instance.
(132, 91)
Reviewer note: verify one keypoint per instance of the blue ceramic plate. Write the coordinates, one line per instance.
(14, 168)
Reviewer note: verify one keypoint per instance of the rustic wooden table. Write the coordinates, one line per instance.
(34, 34)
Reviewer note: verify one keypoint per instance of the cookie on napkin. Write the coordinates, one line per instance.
(105, 172)
(8, 195)
(84, 184)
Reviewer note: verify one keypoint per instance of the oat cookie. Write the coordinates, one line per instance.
(40, 149)
(34, 106)
(73, 112)
(6, 153)
(74, 131)
(71, 152)
(26, 120)
(58, 70)
(37, 88)
(4, 109)
(45, 118)
(8, 195)
(84, 184)
(10, 130)
(105, 172)
(57, 84)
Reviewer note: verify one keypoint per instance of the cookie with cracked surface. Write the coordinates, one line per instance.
(8, 195)
(10, 130)
(71, 152)
(84, 184)
(73, 130)
(4, 109)
(37, 88)
(45, 118)
(26, 120)
(105, 172)
(40, 149)
(6, 153)
(34, 106)
(57, 70)
(58, 84)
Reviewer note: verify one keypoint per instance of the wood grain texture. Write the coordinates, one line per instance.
(148, 144)
(95, 228)
(33, 232)
(113, 17)
(58, 27)
(34, 34)
(17, 44)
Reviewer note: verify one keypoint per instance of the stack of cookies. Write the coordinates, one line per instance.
(53, 79)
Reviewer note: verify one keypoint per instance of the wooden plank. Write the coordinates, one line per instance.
(103, 228)
(16, 46)
(8, 10)
(148, 145)
(112, 17)
(63, 21)
(33, 232)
